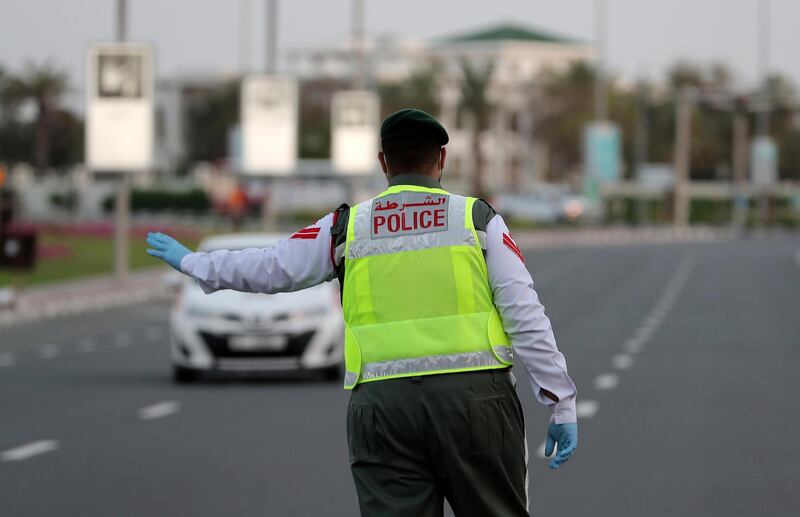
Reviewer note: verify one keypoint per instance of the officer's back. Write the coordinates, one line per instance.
(437, 302)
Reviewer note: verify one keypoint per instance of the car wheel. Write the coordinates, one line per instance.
(183, 375)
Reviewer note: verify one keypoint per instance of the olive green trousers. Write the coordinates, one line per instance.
(416, 441)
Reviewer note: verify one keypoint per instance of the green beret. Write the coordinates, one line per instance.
(412, 122)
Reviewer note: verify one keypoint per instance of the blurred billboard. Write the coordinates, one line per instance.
(119, 107)
(355, 126)
(601, 151)
(269, 111)
(764, 161)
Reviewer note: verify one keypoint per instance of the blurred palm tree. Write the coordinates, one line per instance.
(476, 105)
(42, 84)
(209, 115)
(415, 91)
(562, 108)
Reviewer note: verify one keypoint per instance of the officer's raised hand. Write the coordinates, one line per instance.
(566, 436)
(167, 249)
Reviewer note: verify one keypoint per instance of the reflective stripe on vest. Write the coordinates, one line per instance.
(416, 294)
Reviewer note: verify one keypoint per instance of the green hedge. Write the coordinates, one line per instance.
(706, 212)
(163, 200)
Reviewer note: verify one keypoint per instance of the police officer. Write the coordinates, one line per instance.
(437, 302)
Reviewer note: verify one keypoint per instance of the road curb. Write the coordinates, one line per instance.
(84, 296)
(619, 237)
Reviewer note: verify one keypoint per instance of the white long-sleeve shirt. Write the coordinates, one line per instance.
(308, 258)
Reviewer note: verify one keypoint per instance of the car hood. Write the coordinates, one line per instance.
(246, 305)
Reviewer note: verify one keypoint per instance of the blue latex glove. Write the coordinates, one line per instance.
(166, 248)
(566, 436)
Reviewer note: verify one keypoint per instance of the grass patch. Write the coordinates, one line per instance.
(90, 256)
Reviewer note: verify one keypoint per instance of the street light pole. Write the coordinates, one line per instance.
(269, 213)
(359, 76)
(600, 90)
(740, 201)
(271, 38)
(763, 66)
(122, 215)
(762, 119)
(683, 135)
(122, 20)
(640, 146)
(245, 36)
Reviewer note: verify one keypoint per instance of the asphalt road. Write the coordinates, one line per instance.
(687, 360)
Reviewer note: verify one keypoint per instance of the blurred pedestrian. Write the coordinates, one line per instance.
(437, 302)
(237, 207)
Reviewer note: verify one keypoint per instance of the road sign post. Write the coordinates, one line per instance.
(354, 132)
(119, 125)
(121, 226)
(354, 136)
(269, 115)
(683, 135)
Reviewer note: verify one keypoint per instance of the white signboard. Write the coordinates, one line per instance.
(119, 107)
(764, 161)
(269, 125)
(355, 118)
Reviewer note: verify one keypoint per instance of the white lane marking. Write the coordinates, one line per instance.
(587, 408)
(122, 339)
(654, 320)
(662, 310)
(634, 346)
(29, 450)
(606, 381)
(49, 351)
(7, 359)
(644, 332)
(87, 345)
(622, 361)
(159, 410)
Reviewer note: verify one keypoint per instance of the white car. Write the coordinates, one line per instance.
(244, 332)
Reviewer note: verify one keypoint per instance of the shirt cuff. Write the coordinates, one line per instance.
(187, 264)
(564, 412)
(184, 263)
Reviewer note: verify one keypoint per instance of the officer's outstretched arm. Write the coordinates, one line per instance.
(303, 260)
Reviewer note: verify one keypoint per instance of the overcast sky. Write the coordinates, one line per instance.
(645, 36)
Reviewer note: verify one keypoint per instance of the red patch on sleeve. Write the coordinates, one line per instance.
(510, 244)
(309, 232)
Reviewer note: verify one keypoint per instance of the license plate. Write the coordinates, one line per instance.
(253, 343)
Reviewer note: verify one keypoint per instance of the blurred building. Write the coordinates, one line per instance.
(512, 54)
(517, 53)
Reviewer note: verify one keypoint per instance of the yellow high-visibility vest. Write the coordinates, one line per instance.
(416, 296)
